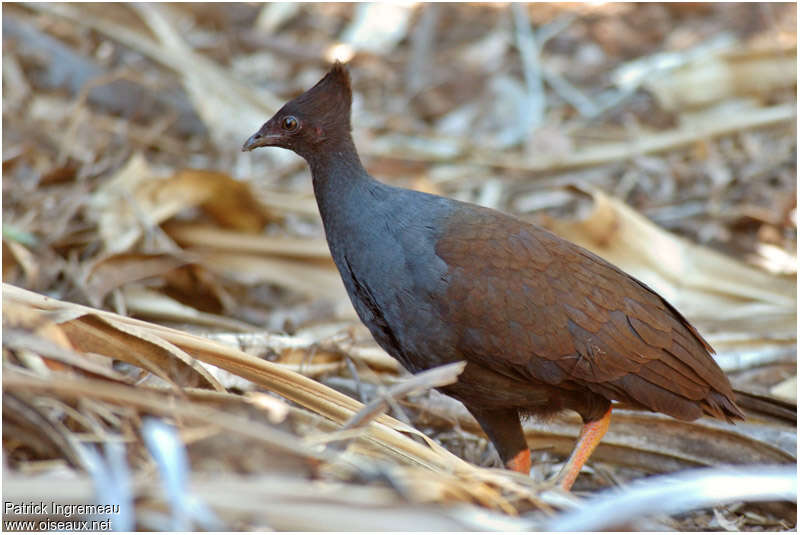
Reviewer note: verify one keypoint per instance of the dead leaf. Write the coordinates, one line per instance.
(109, 337)
(714, 78)
(117, 270)
(307, 278)
(229, 201)
(151, 304)
(23, 258)
(193, 235)
(786, 389)
(695, 279)
(135, 200)
(117, 209)
(154, 347)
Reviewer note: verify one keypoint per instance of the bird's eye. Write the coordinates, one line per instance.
(289, 123)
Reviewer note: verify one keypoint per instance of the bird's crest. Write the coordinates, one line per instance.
(330, 97)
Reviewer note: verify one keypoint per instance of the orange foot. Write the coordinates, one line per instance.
(590, 437)
(521, 462)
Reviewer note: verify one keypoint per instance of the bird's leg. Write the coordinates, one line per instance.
(521, 462)
(591, 434)
(503, 428)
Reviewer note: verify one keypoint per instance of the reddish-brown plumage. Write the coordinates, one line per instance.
(543, 324)
(579, 328)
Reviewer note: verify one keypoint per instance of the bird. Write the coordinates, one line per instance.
(543, 324)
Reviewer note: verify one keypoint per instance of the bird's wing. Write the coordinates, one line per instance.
(528, 302)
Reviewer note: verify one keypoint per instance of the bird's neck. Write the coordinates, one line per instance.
(340, 181)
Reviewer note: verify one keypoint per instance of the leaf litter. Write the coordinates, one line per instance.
(660, 136)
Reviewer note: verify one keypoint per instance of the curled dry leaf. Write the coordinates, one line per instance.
(131, 344)
(107, 335)
(16, 254)
(134, 200)
(117, 270)
(32, 332)
(118, 208)
(151, 304)
(697, 280)
(230, 202)
(42, 344)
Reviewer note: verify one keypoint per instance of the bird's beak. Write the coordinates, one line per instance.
(260, 139)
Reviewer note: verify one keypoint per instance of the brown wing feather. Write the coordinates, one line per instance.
(530, 303)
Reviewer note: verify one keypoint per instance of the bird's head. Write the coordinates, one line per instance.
(307, 123)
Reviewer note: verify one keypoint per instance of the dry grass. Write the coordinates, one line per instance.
(190, 284)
